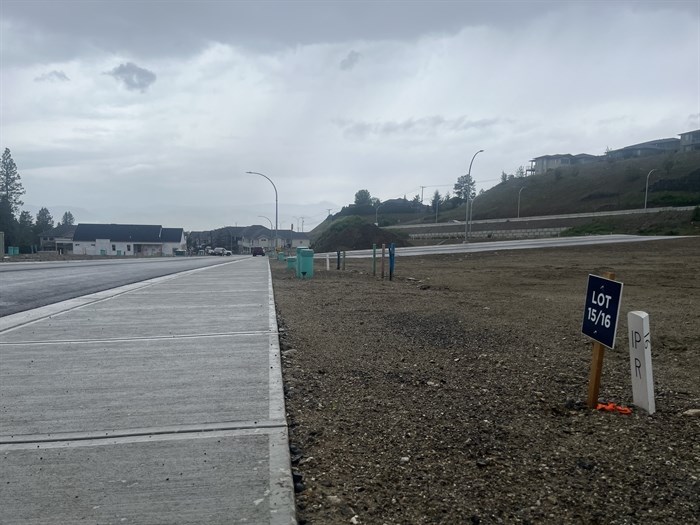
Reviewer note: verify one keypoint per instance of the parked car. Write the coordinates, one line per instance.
(218, 251)
(257, 250)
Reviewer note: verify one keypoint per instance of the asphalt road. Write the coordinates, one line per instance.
(24, 286)
(523, 244)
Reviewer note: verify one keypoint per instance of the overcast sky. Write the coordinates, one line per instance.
(152, 111)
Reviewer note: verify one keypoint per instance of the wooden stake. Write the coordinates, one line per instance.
(596, 371)
(597, 364)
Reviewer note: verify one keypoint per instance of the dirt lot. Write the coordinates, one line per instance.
(456, 393)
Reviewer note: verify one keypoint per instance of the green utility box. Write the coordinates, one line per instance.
(305, 264)
(291, 263)
(280, 256)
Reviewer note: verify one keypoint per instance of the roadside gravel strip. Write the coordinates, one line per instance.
(455, 394)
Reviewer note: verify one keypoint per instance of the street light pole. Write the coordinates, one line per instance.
(471, 209)
(276, 201)
(646, 188)
(466, 198)
(521, 190)
(268, 220)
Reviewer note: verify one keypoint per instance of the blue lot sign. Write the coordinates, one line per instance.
(602, 310)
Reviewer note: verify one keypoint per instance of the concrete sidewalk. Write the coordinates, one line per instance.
(158, 403)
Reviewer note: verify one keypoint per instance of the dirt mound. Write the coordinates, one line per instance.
(353, 233)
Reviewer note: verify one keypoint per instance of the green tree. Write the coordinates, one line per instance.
(25, 230)
(435, 202)
(504, 176)
(68, 219)
(465, 187)
(10, 182)
(520, 172)
(8, 223)
(44, 221)
(363, 198)
(416, 203)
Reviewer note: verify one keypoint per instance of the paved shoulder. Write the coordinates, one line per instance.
(160, 403)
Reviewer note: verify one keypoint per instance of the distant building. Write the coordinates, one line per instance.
(541, 165)
(127, 239)
(690, 141)
(257, 235)
(645, 149)
(293, 239)
(242, 239)
(58, 239)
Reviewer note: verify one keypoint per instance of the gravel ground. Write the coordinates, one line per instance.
(456, 393)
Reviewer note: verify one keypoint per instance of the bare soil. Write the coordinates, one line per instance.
(456, 392)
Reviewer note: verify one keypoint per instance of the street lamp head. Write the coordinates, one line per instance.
(480, 151)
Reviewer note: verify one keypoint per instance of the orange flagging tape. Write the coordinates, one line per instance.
(612, 407)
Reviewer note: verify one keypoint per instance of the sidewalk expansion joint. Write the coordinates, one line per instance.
(66, 438)
(145, 338)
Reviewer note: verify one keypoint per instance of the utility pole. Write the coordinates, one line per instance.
(421, 193)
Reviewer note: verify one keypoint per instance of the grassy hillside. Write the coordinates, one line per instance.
(600, 186)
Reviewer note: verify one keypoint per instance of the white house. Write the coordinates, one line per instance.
(127, 239)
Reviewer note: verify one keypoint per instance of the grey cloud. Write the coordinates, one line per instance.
(240, 23)
(350, 61)
(420, 126)
(133, 77)
(53, 76)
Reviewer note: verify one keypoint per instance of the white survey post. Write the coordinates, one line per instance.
(640, 361)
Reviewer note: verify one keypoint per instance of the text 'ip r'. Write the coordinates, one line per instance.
(636, 339)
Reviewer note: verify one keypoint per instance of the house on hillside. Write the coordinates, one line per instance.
(690, 141)
(645, 149)
(128, 239)
(58, 239)
(541, 165)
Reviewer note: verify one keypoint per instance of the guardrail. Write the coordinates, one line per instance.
(542, 217)
(529, 233)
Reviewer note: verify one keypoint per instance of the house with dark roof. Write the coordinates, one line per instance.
(293, 239)
(58, 239)
(645, 149)
(257, 235)
(690, 140)
(128, 239)
(543, 164)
